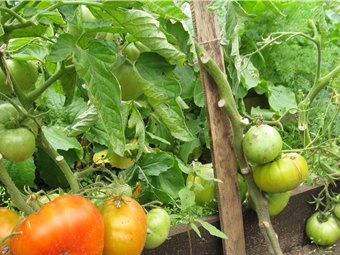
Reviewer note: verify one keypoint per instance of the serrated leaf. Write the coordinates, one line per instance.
(28, 48)
(35, 31)
(104, 91)
(22, 173)
(187, 198)
(57, 137)
(212, 229)
(281, 99)
(146, 29)
(162, 91)
(62, 49)
(153, 164)
(166, 9)
(83, 121)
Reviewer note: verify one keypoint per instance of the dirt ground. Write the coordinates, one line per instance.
(314, 250)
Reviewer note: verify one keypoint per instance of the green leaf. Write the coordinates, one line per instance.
(281, 99)
(59, 140)
(162, 91)
(146, 29)
(166, 9)
(62, 49)
(212, 229)
(153, 164)
(187, 198)
(83, 121)
(104, 91)
(22, 173)
(196, 229)
(28, 48)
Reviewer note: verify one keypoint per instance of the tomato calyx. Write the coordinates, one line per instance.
(323, 216)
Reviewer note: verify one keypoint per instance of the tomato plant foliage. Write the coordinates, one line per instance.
(74, 105)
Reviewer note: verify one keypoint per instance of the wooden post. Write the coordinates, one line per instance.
(224, 161)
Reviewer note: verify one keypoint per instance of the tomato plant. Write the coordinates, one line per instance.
(8, 221)
(125, 226)
(158, 222)
(70, 224)
(281, 175)
(322, 229)
(201, 182)
(262, 144)
(336, 210)
(277, 202)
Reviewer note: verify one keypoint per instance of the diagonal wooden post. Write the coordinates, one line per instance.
(224, 160)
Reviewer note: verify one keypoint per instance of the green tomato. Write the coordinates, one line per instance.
(281, 175)
(201, 182)
(131, 52)
(336, 210)
(322, 230)
(243, 186)
(17, 144)
(158, 222)
(262, 144)
(277, 202)
(130, 81)
(24, 74)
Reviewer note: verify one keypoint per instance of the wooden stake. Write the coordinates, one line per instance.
(224, 161)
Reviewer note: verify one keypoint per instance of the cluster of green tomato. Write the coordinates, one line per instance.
(275, 173)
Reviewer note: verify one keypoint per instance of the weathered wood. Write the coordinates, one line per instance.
(230, 210)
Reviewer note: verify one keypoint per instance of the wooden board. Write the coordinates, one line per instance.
(230, 211)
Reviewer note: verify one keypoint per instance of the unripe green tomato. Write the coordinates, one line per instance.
(277, 202)
(129, 80)
(158, 222)
(131, 52)
(24, 74)
(17, 144)
(322, 231)
(262, 144)
(204, 189)
(243, 186)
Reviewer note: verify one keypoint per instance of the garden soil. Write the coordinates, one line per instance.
(314, 250)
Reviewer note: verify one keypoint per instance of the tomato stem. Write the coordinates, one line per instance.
(16, 196)
(56, 157)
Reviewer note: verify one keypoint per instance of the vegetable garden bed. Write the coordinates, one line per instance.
(289, 225)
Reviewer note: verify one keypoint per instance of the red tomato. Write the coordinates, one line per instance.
(70, 224)
(125, 226)
(8, 220)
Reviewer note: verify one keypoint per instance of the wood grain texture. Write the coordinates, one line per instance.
(230, 211)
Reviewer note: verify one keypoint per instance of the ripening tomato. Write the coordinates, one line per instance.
(70, 224)
(281, 175)
(8, 221)
(262, 144)
(125, 226)
(322, 229)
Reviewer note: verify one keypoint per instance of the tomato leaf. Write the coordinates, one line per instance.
(281, 99)
(166, 9)
(163, 91)
(146, 29)
(92, 65)
(22, 173)
(59, 140)
(196, 229)
(153, 164)
(62, 49)
(187, 198)
(212, 229)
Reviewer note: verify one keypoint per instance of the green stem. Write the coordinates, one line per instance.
(14, 14)
(61, 70)
(60, 161)
(238, 126)
(13, 191)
